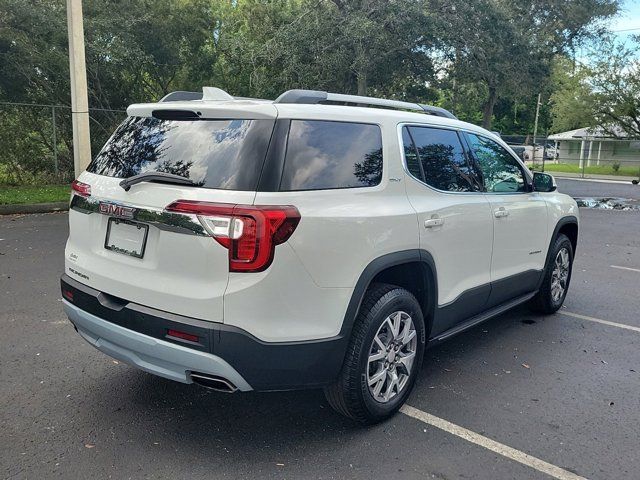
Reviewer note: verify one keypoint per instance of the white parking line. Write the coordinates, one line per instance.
(499, 448)
(598, 320)
(626, 268)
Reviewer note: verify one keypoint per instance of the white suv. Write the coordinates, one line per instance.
(311, 241)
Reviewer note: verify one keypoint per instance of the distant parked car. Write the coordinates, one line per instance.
(550, 151)
(521, 151)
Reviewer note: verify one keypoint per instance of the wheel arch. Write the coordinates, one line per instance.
(413, 270)
(567, 226)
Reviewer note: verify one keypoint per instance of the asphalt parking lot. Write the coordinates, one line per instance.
(562, 389)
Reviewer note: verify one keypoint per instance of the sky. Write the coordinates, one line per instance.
(627, 23)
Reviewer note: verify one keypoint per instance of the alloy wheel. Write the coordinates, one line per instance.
(391, 356)
(560, 274)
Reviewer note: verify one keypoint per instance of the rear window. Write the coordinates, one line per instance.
(328, 155)
(222, 154)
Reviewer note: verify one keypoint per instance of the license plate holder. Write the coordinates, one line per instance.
(126, 237)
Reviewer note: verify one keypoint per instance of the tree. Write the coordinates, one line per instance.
(615, 79)
(505, 46)
(137, 50)
(347, 46)
(572, 97)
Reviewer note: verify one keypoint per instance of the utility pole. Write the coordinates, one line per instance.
(79, 96)
(535, 125)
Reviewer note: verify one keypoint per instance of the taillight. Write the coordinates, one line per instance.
(249, 232)
(82, 189)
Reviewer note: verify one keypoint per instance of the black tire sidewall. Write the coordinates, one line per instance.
(398, 299)
(561, 242)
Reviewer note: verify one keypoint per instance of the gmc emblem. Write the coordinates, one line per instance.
(114, 210)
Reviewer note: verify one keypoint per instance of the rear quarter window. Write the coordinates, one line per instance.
(328, 155)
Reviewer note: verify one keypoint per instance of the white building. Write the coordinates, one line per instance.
(593, 146)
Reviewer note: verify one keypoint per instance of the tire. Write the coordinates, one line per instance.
(382, 307)
(549, 299)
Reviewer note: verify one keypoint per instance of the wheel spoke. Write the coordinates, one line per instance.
(397, 320)
(409, 334)
(406, 361)
(391, 384)
(379, 375)
(378, 387)
(374, 357)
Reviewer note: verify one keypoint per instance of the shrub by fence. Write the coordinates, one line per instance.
(37, 141)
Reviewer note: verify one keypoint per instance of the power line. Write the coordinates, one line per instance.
(626, 30)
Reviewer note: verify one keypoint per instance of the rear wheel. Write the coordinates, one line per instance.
(383, 358)
(557, 275)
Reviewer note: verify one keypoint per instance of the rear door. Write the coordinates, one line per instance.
(129, 245)
(519, 220)
(454, 220)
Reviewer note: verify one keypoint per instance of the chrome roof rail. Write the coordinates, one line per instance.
(317, 97)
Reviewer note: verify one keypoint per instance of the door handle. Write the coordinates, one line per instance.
(433, 222)
(501, 212)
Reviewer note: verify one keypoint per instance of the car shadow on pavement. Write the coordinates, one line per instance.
(171, 416)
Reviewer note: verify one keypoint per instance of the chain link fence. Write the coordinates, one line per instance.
(580, 157)
(37, 141)
(37, 146)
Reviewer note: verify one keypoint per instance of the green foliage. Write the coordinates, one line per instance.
(604, 94)
(346, 46)
(615, 77)
(34, 194)
(505, 46)
(572, 98)
(484, 59)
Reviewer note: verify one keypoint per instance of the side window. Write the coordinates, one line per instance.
(500, 171)
(443, 160)
(327, 155)
(411, 155)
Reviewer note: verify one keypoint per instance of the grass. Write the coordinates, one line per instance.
(592, 170)
(33, 194)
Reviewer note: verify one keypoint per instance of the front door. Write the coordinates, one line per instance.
(519, 220)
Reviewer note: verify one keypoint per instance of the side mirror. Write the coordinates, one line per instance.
(543, 182)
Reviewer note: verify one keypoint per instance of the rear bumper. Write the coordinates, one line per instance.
(138, 335)
(147, 353)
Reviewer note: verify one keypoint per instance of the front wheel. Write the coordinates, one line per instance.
(557, 275)
(383, 358)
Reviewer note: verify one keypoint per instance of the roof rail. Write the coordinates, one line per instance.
(317, 97)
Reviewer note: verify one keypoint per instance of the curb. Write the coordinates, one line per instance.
(34, 208)
(593, 177)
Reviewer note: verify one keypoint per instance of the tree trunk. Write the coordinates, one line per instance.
(362, 83)
(487, 111)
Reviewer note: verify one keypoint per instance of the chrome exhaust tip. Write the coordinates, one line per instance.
(213, 382)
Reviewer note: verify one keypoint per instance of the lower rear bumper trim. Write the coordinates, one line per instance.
(152, 355)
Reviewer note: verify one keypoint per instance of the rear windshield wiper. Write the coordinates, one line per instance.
(155, 177)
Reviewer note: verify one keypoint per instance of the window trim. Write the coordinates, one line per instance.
(463, 143)
(286, 148)
(528, 180)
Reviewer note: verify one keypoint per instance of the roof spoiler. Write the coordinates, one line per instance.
(207, 93)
